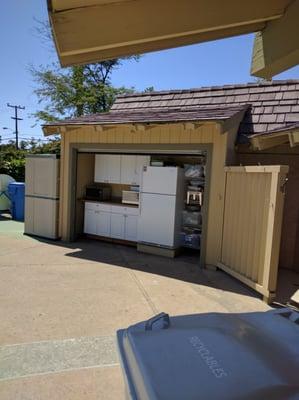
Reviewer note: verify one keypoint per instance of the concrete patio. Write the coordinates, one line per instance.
(61, 304)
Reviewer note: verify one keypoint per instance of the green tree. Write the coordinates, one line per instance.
(73, 91)
(76, 91)
(12, 161)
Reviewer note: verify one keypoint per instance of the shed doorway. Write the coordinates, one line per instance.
(193, 215)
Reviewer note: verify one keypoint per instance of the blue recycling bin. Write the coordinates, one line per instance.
(16, 193)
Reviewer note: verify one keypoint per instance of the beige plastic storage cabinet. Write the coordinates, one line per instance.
(42, 175)
(41, 217)
(42, 195)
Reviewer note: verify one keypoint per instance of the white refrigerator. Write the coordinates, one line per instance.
(42, 195)
(161, 205)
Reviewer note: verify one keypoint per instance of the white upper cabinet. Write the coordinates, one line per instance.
(131, 168)
(107, 168)
(100, 168)
(113, 166)
(128, 170)
(124, 169)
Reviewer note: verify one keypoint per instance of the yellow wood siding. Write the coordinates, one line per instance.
(85, 176)
(171, 134)
(252, 225)
(289, 248)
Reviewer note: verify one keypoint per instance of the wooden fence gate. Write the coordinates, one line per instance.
(253, 211)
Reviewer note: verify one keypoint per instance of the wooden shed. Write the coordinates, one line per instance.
(245, 188)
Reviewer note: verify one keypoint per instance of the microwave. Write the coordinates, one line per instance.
(98, 192)
(130, 197)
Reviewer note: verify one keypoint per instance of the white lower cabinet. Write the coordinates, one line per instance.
(111, 221)
(117, 223)
(103, 223)
(131, 224)
(90, 222)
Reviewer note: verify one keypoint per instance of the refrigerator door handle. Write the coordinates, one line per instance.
(141, 180)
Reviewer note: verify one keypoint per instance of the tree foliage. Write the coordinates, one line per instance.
(12, 161)
(62, 93)
(75, 91)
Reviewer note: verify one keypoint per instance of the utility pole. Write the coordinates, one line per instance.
(16, 121)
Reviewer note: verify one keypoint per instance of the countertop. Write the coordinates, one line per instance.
(111, 202)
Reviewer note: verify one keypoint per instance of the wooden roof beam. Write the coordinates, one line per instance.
(294, 138)
(87, 33)
(232, 122)
(276, 47)
(263, 142)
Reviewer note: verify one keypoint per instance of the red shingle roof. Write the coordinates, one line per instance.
(159, 115)
(285, 129)
(274, 104)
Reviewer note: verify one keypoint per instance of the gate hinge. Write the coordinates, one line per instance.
(283, 186)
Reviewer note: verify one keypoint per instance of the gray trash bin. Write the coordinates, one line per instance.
(212, 356)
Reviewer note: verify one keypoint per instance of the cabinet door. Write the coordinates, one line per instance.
(90, 225)
(103, 223)
(141, 161)
(113, 168)
(118, 226)
(101, 168)
(128, 170)
(131, 225)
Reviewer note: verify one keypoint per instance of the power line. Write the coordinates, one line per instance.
(16, 108)
(23, 139)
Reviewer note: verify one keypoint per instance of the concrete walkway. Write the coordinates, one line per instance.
(61, 305)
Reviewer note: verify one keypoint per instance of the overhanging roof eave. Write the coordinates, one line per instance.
(264, 140)
(84, 31)
(58, 128)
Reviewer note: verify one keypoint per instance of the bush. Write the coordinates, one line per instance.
(12, 161)
(14, 168)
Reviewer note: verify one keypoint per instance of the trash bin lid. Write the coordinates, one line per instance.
(17, 184)
(16, 188)
(213, 356)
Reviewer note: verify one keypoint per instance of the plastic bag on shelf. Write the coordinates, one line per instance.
(190, 239)
(193, 218)
(193, 171)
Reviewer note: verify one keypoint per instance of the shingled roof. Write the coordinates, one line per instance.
(270, 107)
(158, 115)
(274, 105)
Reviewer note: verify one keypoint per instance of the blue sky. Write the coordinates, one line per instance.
(214, 63)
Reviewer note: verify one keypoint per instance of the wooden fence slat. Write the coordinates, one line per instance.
(252, 225)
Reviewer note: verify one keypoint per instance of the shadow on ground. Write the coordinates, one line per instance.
(185, 267)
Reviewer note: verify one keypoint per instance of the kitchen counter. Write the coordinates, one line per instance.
(111, 202)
